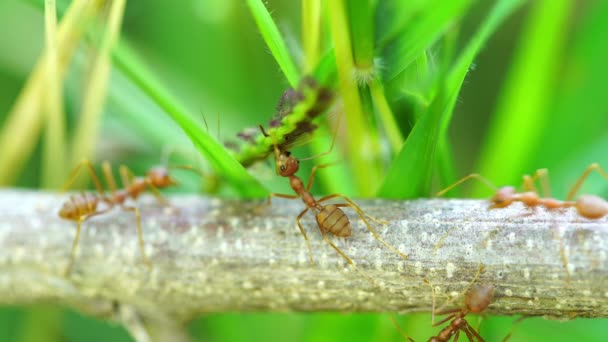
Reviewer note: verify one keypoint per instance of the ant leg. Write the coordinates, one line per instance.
(369, 227)
(514, 324)
(68, 269)
(583, 177)
(75, 173)
(449, 301)
(471, 333)
(401, 332)
(139, 233)
(562, 254)
(464, 179)
(541, 175)
(109, 177)
(349, 260)
(331, 147)
(448, 318)
(272, 194)
(362, 215)
(81, 219)
(457, 335)
(354, 206)
(312, 261)
(314, 170)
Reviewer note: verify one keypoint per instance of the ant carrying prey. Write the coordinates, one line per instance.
(330, 217)
(81, 207)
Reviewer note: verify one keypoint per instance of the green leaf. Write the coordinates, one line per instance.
(522, 107)
(273, 39)
(410, 173)
(219, 158)
(418, 34)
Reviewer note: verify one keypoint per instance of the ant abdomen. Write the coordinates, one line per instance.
(78, 205)
(479, 297)
(332, 219)
(591, 206)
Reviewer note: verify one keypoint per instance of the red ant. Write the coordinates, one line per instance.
(330, 218)
(83, 206)
(477, 299)
(588, 206)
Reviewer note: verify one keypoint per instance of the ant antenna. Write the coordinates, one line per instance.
(331, 147)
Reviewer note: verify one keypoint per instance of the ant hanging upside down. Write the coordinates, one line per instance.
(81, 207)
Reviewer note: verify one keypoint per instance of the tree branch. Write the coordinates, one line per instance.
(212, 255)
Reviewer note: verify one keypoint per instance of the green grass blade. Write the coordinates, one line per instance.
(418, 35)
(273, 39)
(311, 33)
(522, 108)
(54, 143)
(579, 108)
(19, 134)
(219, 158)
(86, 135)
(363, 148)
(415, 161)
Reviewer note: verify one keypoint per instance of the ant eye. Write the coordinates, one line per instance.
(288, 153)
(282, 167)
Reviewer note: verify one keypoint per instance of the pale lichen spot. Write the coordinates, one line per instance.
(530, 303)
(295, 295)
(247, 285)
(234, 222)
(450, 268)
(268, 225)
(378, 264)
(489, 243)
(558, 306)
(401, 266)
(554, 276)
(508, 293)
(321, 284)
(223, 247)
(238, 244)
(427, 217)
(530, 244)
(362, 295)
(271, 261)
(527, 293)
(404, 224)
(219, 234)
(323, 260)
(324, 295)
(418, 267)
(526, 272)
(511, 236)
(606, 294)
(586, 293)
(256, 230)
(571, 268)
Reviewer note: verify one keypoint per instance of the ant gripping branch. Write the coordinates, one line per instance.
(83, 206)
(477, 299)
(330, 218)
(588, 206)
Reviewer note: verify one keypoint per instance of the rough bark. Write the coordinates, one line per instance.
(212, 255)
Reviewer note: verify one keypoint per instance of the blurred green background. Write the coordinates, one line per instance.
(534, 97)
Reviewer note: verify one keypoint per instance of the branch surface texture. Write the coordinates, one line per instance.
(212, 255)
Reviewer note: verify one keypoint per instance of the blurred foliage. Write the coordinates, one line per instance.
(515, 87)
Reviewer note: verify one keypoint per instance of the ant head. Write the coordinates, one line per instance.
(503, 197)
(160, 178)
(286, 164)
